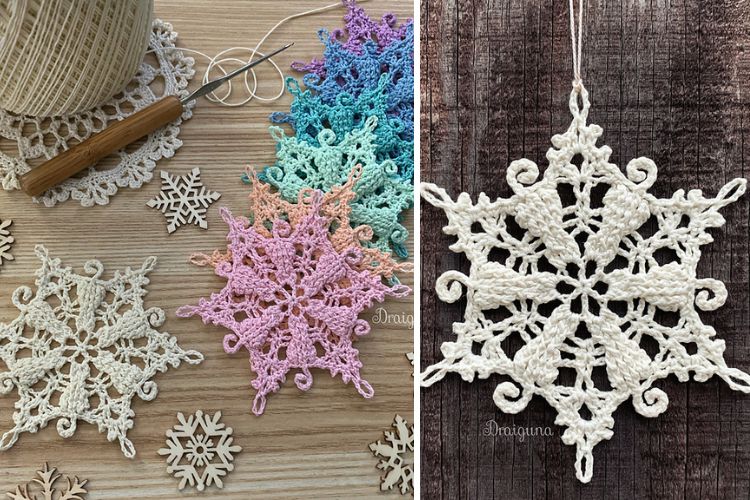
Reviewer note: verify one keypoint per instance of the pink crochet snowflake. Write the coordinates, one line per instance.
(267, 206)
(292, 300)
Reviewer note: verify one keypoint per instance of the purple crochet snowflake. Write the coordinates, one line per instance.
(293, 302)
(359, 29)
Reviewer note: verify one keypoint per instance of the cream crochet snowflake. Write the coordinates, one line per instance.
(582, 279)
(47, 488)
(183, 199)
(82, 348)
(396, 456)
(6, 241)
(165, 72)
(200, 450)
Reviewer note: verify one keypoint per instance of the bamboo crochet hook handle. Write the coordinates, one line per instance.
(89, 152)
(120, 134)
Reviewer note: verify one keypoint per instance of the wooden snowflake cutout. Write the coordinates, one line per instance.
(200, 450)
(183, 200)
(82, 348)
(6, 240)
(410, 357)
(47, 489)
(582, 265)
(396, 456)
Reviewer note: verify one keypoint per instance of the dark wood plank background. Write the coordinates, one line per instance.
(669, 80)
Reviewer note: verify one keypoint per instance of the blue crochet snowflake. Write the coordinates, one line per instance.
(352, 73)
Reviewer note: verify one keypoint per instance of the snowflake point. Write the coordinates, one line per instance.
(47, 487)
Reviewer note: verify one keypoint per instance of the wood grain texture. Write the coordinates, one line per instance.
(668, 80)
(313, 444)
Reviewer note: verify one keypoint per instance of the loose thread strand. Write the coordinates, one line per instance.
(220, 60)
(576, 40)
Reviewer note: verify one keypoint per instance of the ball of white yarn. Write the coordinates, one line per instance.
(64, 56)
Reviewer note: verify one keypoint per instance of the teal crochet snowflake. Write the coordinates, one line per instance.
(310, 114)
(381, 194)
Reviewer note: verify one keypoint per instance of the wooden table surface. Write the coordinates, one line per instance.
(312, 444)
(668, 80)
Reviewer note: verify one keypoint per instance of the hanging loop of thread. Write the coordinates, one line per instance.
(576, 40)
(219, 62)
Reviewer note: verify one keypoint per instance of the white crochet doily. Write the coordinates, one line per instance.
(43, 138)
(581, 280)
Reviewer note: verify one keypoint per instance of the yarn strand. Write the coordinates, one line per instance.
(576, 40)
(220, 61)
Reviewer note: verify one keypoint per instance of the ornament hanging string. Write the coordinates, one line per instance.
(222, 59)
(576, 40)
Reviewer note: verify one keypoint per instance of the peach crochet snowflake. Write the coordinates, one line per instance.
(267, 206)
(292, 299)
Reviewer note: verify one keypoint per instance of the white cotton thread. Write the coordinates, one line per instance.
(37, 138)
(576, 40)
(220, 60)
(67, 56)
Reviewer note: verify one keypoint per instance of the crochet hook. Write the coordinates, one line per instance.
(120, 134)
